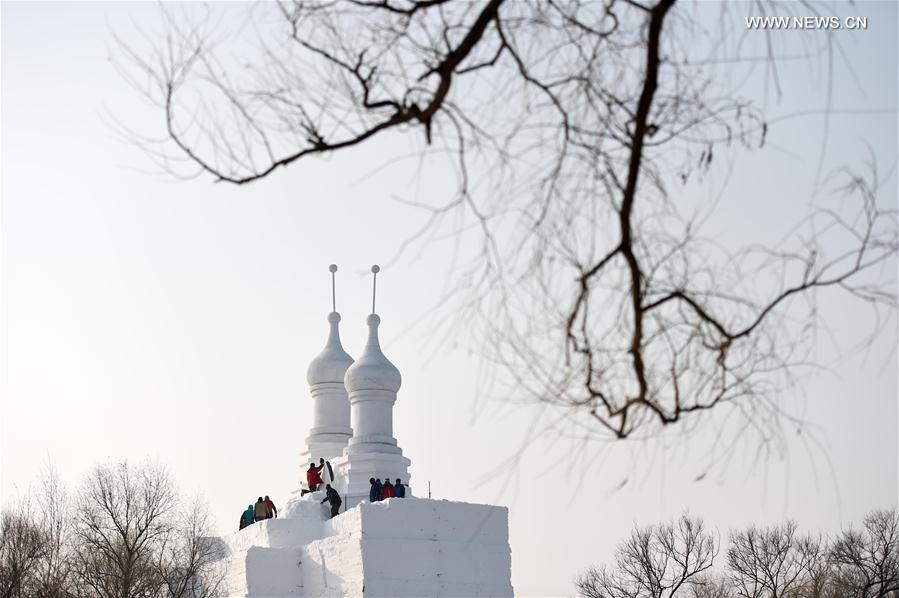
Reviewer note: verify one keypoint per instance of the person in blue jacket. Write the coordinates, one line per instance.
(399, 490)
(374, 493)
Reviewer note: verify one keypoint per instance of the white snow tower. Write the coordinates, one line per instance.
(330, 406)
(396, 547)
(372, 383)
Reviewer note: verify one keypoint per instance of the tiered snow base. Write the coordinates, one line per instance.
(355, 470)
(398, 547)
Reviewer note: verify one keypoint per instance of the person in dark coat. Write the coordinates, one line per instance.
(259, 510)
(374, 493)
(399, 489)
(243, 520)
(387, 490)
(270, 508)
(333, 497)
(248, 516)
(378, 491)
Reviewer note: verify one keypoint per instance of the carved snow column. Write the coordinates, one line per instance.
(331, 429)
(372, 383)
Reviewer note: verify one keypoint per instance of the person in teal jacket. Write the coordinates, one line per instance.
(248, 516)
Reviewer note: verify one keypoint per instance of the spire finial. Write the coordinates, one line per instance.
(333, 268)
(374, 285)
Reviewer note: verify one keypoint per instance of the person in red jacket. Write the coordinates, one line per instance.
(313, 475)
(270, 506)
(387, 490)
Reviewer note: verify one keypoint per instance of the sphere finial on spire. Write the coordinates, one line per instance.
(373, 371)
(333, 361)
(332, 269)
(374, 285)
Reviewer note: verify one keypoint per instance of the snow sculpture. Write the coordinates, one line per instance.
(397, 547)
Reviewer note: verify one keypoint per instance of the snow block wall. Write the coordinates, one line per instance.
(435, 548)
(399, 547)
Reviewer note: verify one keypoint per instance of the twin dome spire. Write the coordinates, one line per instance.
(372, 371)
(352, 410)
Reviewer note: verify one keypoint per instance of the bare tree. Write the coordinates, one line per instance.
(570, 125)
(134, 538)
(867, 560)
(53, 577)
(658, 561)
(36, 542)
(127, 535)
(189, 557)
(769, 562)
(122, 515)
(22, 547)
(775, 562)
(711, 586)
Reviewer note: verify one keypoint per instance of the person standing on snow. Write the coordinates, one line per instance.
(379, 487)
(248, 516)
(270, 508)
(399, 489)
(387, 490)
(374, 493)
(332, 497)
(313, 475)
(259, 510)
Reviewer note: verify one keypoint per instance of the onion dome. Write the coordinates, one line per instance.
(372, 371)
(331, 364)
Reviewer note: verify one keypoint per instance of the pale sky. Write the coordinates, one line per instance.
(149, 317)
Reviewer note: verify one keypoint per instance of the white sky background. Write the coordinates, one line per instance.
(143, 316)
